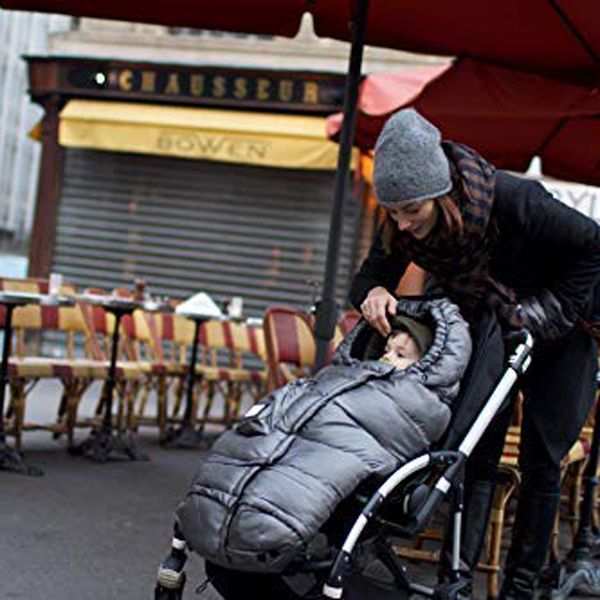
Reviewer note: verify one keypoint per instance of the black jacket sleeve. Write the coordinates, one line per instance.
(550, 226)
(378, 269)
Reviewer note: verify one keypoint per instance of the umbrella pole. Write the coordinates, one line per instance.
(326, 309)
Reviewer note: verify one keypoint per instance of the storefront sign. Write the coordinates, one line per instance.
(210, 85)
(216, 147)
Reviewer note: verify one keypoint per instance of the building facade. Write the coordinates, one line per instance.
(20, 33)
(192, 159)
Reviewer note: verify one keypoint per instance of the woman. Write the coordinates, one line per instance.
(490, 238)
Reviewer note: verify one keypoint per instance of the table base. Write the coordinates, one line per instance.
(12, 461)
(101, 446)
(187, 436)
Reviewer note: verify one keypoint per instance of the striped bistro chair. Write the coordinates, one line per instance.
(166, 367)
(25, 371)
(348, 321)
(226, 349)
(290, 345)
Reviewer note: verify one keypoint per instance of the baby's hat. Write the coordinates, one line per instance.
(420, 332)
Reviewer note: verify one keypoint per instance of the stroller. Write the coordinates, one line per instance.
(360, 561)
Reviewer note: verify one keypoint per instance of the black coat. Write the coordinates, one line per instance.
(540, 244)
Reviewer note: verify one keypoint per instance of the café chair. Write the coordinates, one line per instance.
(27, 367)
(171, 336)
(227, 347)
(290, 345)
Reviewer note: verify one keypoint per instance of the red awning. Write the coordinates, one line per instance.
(506, 115)
(560, 36)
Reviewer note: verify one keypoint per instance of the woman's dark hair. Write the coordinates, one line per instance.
(450, 213)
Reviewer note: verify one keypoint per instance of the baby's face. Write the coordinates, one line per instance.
(401, 350)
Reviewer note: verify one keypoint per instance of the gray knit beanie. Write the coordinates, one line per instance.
(410, 165)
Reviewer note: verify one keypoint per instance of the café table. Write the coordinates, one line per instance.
(199, 309)
(102, 444)
(10, 459)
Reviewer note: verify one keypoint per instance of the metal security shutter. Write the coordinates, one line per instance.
(187, 226)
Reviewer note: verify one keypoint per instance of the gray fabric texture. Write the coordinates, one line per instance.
(268, 485)
(410, 165)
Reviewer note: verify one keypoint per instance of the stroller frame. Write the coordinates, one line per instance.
(171, 577)
(450, 479)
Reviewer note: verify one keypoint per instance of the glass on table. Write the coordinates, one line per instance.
(55, 282)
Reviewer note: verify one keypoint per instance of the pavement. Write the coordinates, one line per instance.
(86, 530)
(91, 531)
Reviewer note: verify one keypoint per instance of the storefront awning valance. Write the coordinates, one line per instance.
(274, 140)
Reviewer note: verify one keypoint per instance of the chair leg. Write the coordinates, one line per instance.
(74, 399)
(162, 399)
(130, 393)
(146, 388)
(504, 491)
(230, 411)
(178, 397)
(18, 404)
(575, 491)
(64, 419)
(237, 401)
(61, 415)
(210, 394)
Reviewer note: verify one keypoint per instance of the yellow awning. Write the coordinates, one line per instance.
(289, 141)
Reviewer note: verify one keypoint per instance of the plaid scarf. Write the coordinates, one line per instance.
(461, 261)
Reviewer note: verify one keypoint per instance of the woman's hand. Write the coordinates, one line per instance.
(376, 307)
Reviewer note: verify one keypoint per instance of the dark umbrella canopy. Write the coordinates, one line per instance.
(507, 115)
(560, 36)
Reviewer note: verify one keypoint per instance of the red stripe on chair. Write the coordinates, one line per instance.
(227, 335)
(168, 327)
(288, 345)
(49, 317)
(99, 320)
(128, 325)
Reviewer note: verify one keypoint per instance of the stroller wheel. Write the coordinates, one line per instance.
(173, 590)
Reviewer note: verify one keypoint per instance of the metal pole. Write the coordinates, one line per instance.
(112, 376)
(187, 417)
(326, 311)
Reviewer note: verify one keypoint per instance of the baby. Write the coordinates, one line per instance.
(407, 343)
